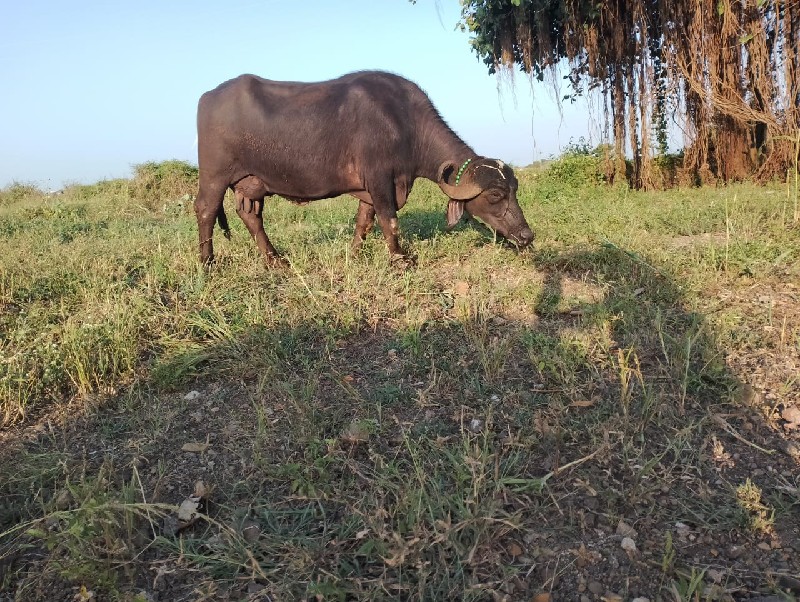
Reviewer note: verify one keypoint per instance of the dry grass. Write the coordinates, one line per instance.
(482, 426)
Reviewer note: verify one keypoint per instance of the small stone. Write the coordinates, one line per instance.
(192, 395)
(585, 598)
(541, 597)
(790, 583)
(641, 600)
(629, 545)
(514, 549)
(251, 532)
(63, 500)
(254, 588)
(791, 414)
(715, 575)
(596, 588)
(735, 552)
(170, 526)
(461, 288)
(475, 425)
(611, 597)
(764, 547)
(791, 448)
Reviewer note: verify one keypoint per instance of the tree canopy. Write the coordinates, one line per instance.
(725, 70)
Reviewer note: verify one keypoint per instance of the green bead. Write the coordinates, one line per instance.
(461, 170)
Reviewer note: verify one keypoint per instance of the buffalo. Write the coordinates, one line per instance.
(367, 134)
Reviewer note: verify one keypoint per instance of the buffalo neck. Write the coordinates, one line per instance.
(438, 144)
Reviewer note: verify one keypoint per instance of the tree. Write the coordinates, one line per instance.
(728, 67)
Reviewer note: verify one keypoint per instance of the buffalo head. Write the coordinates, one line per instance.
(487, 189)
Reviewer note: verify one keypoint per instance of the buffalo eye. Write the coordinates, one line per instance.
(495, 196)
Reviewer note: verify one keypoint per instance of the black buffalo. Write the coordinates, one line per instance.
(367, 134)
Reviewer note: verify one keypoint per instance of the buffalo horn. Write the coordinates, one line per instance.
(465, 190)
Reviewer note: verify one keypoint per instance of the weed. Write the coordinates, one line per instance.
(755, 513)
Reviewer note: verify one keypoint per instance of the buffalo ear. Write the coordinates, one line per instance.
(455, 209)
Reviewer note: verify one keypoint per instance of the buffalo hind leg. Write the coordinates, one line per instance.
(208, 208)
(255, 225)
(365, 220)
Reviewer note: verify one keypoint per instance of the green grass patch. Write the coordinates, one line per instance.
(474, 427)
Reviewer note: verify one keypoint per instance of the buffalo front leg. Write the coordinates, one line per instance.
(365, 220)
(385, 203)
(255, 225)
(387, 219)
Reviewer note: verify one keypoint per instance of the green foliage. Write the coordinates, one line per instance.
(578, 167)
(119, 187)
(158, 184)
(17, 192)
(621, 49)
(423, 431)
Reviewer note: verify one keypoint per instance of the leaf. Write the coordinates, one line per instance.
(582, 403)
(200, 490)
(721, 8)
(189, 509)
(745, 38)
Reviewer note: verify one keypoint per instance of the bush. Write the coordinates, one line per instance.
(119, 187)
(156, 184)
(578, 166)
(17, 191)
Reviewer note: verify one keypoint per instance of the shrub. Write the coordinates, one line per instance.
(18, 191)
(156, 184)
(578, 166)
(119, 187)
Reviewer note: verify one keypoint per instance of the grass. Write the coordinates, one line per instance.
(475, 427)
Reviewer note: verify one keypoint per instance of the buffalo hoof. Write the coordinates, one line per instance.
(401, 260)
(276, 261)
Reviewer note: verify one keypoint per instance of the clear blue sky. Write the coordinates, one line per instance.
(90, 88)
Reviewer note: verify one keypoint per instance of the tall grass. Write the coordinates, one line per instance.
(387, 432)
